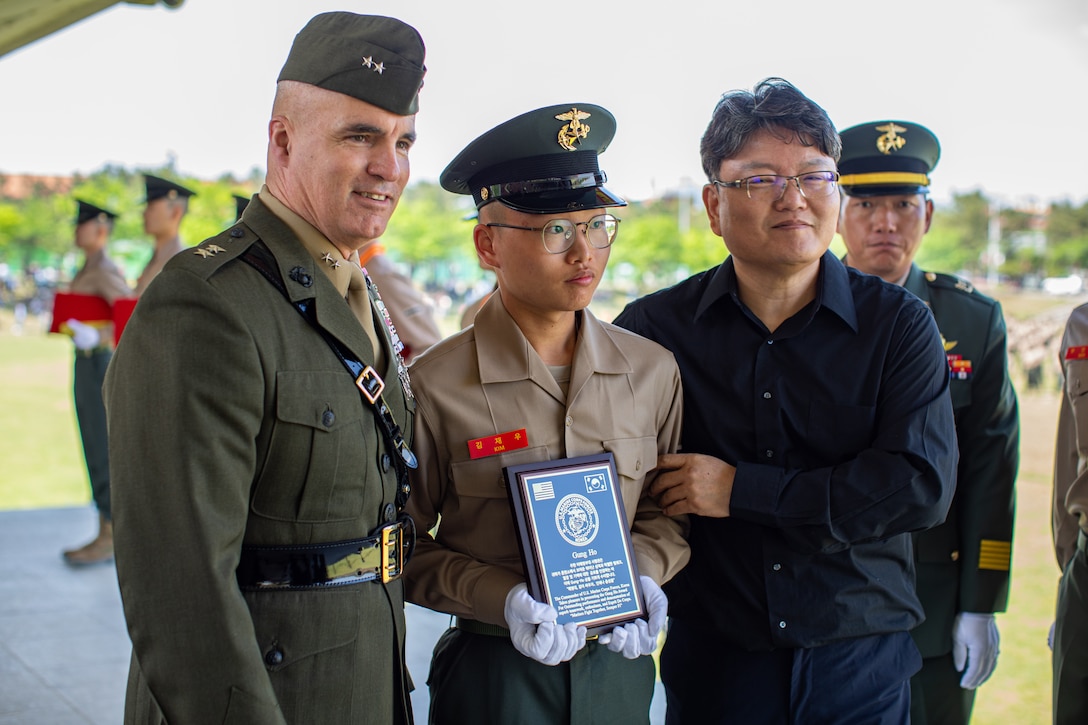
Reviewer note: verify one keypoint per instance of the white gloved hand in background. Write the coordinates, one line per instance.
(84, 336)
(975, 644)
(638, 638)
(534, 631)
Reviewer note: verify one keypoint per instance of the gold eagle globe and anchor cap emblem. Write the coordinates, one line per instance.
(541, 162)
(890, 140)
(574, 130)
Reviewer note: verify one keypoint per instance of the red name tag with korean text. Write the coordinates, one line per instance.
(1079, 352)
(500, 443)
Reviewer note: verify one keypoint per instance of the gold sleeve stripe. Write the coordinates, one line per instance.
(994, 555)
(884, 177)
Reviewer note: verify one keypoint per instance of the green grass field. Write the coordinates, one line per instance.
(43, 467)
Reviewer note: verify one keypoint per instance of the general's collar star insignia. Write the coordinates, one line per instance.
(368, 61)
(380, 67)
(327, 259)
(376, 66)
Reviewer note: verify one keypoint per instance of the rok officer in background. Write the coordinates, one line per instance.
(540, 371)
(166, 205)
(963, 564)
(257, 410)
(101, 277)
(1070, 528)
(818, 434)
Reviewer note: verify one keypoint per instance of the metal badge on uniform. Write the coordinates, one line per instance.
(492, 445)
(1079, 352)
(209, 251)
(890, 140)
(574, 130)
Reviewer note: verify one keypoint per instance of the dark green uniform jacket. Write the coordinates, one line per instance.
(963, 564)
(231, 423)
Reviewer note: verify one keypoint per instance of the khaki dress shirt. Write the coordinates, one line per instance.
(624, 396)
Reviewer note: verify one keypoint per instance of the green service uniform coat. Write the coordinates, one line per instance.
(232, 422)
(101, 277)
(624, 396)
(963, 564)
(1070, 527)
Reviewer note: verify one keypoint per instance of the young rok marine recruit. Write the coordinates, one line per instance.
(538, 369)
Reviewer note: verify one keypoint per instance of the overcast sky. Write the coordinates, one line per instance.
(1002, 83)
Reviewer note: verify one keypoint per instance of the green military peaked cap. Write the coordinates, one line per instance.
(370, 57)
(541, 162)
(86, 211)
(158, 188)
(887, 157)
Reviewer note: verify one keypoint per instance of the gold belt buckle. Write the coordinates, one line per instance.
(392, 551)
(370, 383)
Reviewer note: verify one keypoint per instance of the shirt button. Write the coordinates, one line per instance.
(770, 342)
(766, 395)
(777, 567)
(328, 418)
(569, 421)
(273, 657)
(782, 624)
(638, 465)
(390, 512)
(955, 556)
(769, 453)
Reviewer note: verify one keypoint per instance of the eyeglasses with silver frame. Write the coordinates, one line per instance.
(771, 187)
(558, 234)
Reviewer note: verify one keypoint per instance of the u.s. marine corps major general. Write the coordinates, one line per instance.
(963, 564)
(258, 411)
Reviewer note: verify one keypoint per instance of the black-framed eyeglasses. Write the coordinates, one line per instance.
(558, 234)
(771, 187)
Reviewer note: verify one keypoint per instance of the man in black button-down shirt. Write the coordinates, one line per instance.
(818, 433)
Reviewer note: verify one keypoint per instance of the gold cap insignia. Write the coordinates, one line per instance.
(484, 193)
(574, 129)
(890, 140)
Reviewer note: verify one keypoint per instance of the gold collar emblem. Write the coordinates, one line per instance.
(890, 140)
(574, 129)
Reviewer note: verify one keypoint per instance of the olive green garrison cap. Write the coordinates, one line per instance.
(376, 59)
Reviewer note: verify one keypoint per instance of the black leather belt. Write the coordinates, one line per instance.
(378, 557)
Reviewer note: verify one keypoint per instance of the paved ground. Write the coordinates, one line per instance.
(64, 650)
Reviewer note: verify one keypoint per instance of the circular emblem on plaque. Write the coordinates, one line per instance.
(577, 520)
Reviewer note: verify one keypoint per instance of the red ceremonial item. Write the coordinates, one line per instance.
(490, 445)
(85, 308)
(122, 310)
(1076, 353)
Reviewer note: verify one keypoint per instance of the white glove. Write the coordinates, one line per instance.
(974, 644)
(84, 336)
(638, 638)
(534, 631)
